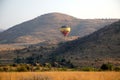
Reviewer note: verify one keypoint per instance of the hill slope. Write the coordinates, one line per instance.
(100, 47)
(46, 28)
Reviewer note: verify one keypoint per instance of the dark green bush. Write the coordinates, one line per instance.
(107, 66)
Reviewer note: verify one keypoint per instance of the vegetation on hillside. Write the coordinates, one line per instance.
(101, 47)
(23, 67)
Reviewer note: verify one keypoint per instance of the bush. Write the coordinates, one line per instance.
(13, 65)
(48, 65)
(107, 66)
(117, 68)
(88, 69)
(22, 68)
(1, 69)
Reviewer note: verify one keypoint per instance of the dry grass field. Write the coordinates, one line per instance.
(60, 75)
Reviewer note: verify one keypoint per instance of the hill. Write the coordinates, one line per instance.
(45, 28)
(100, 47)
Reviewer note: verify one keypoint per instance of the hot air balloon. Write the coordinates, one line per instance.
(65, 30)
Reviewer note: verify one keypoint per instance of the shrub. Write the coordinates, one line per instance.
(88, 69)
(107, 66)
(1, 69)
(22, 68)
(48, 65)
(117, 68)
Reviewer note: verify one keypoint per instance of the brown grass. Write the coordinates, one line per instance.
(4, 47)
(60, 75)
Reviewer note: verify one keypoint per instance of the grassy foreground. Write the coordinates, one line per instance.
(76, 75)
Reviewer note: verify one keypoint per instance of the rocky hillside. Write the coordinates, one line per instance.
(46, 28)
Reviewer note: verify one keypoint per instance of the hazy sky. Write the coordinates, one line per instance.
(13, 12)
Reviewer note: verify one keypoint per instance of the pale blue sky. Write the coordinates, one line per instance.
(14, 12)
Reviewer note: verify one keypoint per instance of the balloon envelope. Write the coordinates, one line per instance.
(65, 30)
